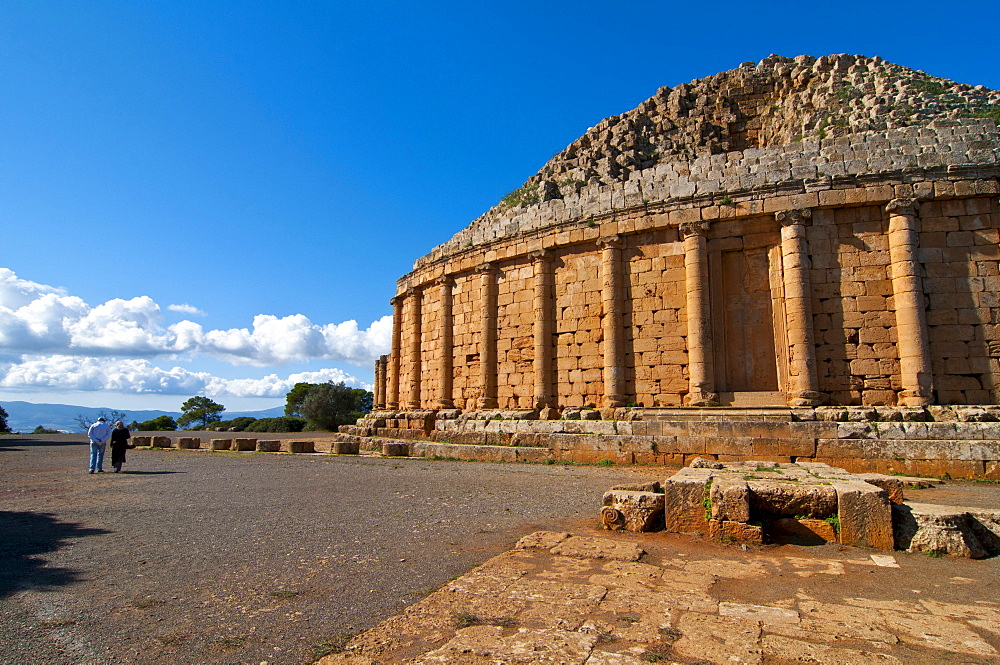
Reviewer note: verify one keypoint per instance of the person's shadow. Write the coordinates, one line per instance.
(25, 537)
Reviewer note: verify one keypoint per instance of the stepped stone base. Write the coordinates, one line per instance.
(956, 441)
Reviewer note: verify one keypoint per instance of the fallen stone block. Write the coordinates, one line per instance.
(865, 515)
(626, 510)
(189, 442)
(396, 449)
(142, 441)
(924, 527)
(344, 448)
(301, 447)
(244, 444)
(268, 445)
(160, 441)
(220, 444)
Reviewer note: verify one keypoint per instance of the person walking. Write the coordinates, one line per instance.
(98, 434)
(119, 444)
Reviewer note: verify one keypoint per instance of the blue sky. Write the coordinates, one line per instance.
(200, 197)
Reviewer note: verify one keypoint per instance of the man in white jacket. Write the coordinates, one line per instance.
(99, 433)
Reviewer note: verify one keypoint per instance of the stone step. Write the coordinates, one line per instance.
(761, 412)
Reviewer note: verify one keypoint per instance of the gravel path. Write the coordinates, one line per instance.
(225, 557)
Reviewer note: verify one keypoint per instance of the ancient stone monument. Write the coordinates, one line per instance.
(793, 233)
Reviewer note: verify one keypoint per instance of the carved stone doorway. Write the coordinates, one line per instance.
(746, 310)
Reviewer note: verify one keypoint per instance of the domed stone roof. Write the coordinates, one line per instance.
(759, 126)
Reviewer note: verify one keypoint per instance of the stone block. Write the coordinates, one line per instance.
(628, 510)
(865, 515)
(735, 532)
(789, 498)
(189, 442)
(244, 444)
(344, 447)
(684, 497)
(730, 499)
(219, 444)
(300, 447)
(268, 445)
(142, 441)
(923, 527)
(399, 449)
(160, 441)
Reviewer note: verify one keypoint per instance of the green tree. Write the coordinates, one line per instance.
(235, 425)
(44, 430)
(162, 423)
(200, 411)
(330, 405)
(295, 397)
(4, 427)
(279, 424)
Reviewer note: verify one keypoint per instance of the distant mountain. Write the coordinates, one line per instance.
(26, 416)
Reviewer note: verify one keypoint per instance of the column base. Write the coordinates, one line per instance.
(543, 402)
(615, 401)
(702, 398)
(413, 406)
(806, 398)
(914, 398)
(487, 403)
(446, 404)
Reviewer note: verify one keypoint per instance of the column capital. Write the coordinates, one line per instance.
(444, 280)
(542, 255)
(689, 229)
(487, 268)
(395, 301)
(412, 291)
(794, 216)
(614, 242)
(903, 206)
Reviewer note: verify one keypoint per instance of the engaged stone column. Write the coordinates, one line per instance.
(445, 379)
(803, 382)
(381, 380)
(488, 336)
(701, 370)
(394, 364)
(613, 297)
(414, 297)
(544, 395)
(378, 388)
(912, 343)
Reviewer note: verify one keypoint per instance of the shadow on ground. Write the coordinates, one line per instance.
(19, 443)
(27, 536)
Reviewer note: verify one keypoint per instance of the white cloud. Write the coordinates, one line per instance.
(186, 309)
(63, 372)
(35, 318)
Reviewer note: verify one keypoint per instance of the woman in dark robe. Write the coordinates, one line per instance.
(119, 444)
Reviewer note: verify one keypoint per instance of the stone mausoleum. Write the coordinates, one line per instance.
(797, 234)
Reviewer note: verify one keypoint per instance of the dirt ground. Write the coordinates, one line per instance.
(219, 557)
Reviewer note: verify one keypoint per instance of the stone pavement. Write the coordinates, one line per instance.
(595, 598)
